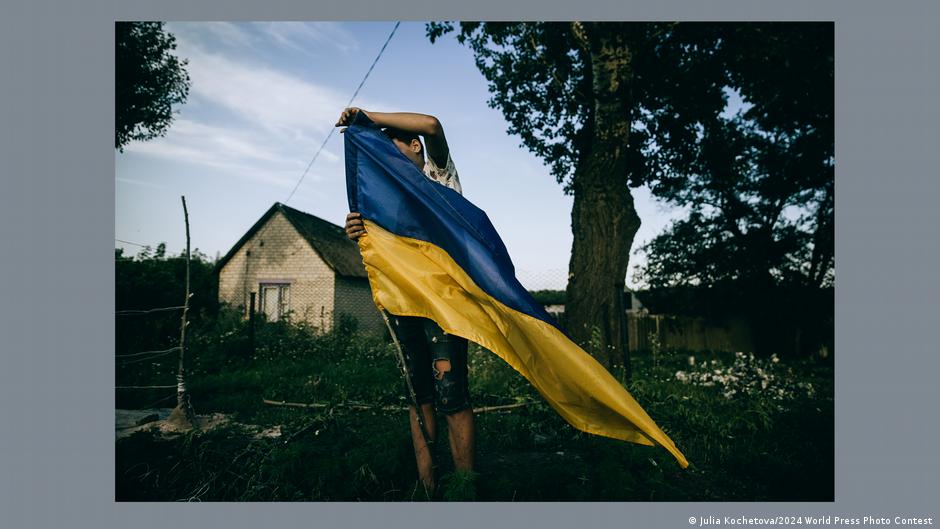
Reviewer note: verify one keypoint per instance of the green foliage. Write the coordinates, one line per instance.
(755, 445)
(460, 485)
(155, 280)
(149, 80)
(549, 297)
(738, 174)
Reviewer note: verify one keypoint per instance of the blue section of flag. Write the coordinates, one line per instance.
(388, 189)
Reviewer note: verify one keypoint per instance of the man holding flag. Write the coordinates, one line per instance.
(430, 253)
(436, 361)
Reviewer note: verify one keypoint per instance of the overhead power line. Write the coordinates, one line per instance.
(134, 243)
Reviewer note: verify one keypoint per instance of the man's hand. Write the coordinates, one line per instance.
(354, 226)
(345, 119)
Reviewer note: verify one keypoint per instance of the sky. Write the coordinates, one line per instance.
(265, 95)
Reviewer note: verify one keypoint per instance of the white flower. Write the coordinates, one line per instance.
(691, 360)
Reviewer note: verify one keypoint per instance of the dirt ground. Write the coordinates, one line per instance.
(127, 422)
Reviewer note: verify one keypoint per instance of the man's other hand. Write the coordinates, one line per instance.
(354, 226)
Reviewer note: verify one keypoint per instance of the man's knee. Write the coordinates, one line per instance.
(450, 387)
(441, 367)
(449, 369)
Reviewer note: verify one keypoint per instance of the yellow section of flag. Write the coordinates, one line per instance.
(410, 277)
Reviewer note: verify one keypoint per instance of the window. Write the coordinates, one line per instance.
(275, 299)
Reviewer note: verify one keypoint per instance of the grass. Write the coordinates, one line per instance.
(744, 446)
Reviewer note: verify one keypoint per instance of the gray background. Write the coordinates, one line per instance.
(57, 221)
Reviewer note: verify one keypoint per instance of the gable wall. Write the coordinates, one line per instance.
(285, 255)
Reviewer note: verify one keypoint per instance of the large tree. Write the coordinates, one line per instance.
(149, 80)
(574, 92)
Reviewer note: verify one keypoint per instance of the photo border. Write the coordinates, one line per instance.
(57, 465)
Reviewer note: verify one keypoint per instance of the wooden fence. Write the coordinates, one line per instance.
(686, 333)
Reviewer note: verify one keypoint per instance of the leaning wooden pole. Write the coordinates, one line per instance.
(183, 415)
(403, 365)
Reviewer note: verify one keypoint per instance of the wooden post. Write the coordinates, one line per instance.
(183, 415)
(403, 364)
(622, 337)
(251, 323)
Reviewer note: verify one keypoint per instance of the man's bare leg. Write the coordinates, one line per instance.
(460, 434)
(422, 450)
(459, 427)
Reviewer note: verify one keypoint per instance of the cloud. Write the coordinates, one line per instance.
(247, 118)
(305, 37)
(235, 151)
(140, 183)
(263, 96)
(229, 33)
(308, 36)
(280, 103)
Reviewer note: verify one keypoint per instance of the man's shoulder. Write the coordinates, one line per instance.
(439, 163)
(445, 175)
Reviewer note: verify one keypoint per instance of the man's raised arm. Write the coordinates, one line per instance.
(426, 125)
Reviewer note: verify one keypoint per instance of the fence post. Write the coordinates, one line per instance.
(622, 336)
(251, 323)
(183, 415)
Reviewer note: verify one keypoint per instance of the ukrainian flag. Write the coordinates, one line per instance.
(429, 252)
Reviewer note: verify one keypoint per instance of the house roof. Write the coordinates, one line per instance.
(327, 239)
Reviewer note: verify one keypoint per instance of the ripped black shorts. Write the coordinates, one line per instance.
(423, 343)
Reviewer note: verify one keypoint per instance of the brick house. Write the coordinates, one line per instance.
(298, 263)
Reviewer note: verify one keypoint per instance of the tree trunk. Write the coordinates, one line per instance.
(603, 220)
(604, 223)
